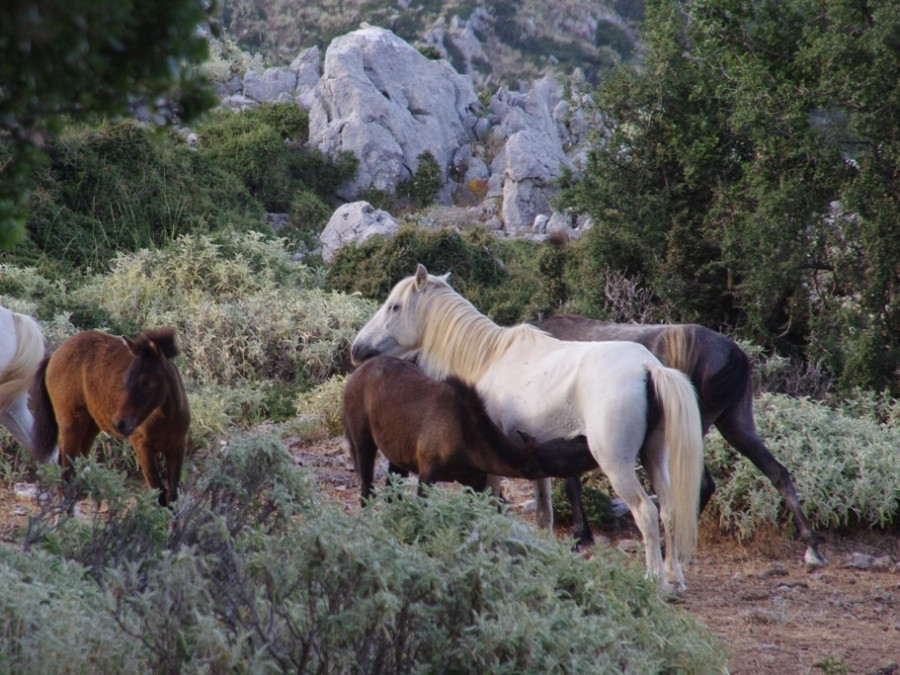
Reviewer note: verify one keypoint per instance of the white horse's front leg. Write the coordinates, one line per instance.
(495, 483)
(544, 503)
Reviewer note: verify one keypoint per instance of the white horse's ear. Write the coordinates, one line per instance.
(445, 277)
(421, 276)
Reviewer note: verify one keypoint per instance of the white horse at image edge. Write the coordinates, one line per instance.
(21, 351)
(616, 394)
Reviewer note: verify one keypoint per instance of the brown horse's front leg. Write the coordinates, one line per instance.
(174, 463)
(147, 461)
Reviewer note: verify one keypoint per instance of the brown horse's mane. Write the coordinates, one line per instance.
(457, 338)
(471, 402)
(154, 340)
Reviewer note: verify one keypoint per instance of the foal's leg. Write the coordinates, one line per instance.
(174, 462)
(363, 451)
(581, 528)
(76, 436)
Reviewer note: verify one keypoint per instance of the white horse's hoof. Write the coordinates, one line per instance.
(813, 559)
(668, 590)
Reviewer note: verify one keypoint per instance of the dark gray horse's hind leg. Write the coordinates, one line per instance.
(738, 429)
(581, 528)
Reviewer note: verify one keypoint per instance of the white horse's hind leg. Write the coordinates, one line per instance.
(17, 418)
(655, 461)
(624, 481)
(544, 507)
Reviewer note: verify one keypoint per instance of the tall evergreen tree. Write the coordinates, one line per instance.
(749, 170)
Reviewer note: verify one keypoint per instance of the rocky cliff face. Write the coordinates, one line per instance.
(376, 96)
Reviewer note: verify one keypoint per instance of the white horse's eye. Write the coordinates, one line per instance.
(395, 307)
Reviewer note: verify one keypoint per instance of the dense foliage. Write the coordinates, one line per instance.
(120, 187)
(731, 200)
(749, 172)
(511, 281)
(266, 149)
(85, 60)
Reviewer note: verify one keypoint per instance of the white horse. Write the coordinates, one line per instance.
(21, 351)
(616, 394)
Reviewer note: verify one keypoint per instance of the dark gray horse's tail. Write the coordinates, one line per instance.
(46, 429)
(717, 390)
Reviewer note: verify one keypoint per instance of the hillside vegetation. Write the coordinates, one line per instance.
(516, 41)
(256, 570)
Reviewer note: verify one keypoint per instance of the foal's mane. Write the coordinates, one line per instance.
(458, 339)
(155, 340)
(479, 425)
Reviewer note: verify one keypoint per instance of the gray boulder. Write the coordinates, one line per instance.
(532, 157)
(354, 223)
(273, 85)
(381, 100)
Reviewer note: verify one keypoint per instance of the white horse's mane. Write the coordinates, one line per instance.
(457, 339)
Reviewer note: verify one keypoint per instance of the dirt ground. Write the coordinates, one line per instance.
(756, 596)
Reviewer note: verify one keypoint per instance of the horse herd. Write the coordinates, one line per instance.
(445, 393)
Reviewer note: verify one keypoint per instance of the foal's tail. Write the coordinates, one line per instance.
(46, 429)
(684, 437)
(29, 352)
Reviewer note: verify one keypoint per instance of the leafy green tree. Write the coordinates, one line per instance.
(84, 60)
(749, 171)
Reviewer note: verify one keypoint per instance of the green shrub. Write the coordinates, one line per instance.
(308, 217)
(499, 277)
(290, 120)
(266, 148)
(422, 188)
(255, 152)
(120, 189)
(323, 408)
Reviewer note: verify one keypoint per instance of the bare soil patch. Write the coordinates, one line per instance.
(755, 596)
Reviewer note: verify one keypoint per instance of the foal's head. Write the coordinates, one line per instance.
(148, 379)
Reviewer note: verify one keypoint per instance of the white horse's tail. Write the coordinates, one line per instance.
(684, 437)
(16, 378)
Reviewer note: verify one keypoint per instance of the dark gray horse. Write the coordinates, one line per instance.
(720, 372)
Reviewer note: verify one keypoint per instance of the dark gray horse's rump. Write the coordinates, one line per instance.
(721, 373)
(718, 367)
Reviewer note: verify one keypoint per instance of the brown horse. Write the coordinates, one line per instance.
(721, 373)
(438, 430)
(130, 389)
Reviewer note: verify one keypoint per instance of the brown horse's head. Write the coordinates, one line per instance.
(149, 378)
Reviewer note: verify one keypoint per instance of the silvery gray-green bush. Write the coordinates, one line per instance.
(245, 311)
(845, 468)
(257, 572)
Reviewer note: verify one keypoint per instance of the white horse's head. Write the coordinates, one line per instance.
(396, 328)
